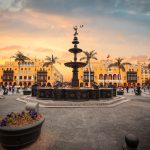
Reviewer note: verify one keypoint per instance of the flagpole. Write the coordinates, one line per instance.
(107, 67)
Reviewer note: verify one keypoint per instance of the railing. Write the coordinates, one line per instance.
(111, 80)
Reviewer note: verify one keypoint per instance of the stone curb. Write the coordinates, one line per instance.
(2, 97)
(146, 93)
(69, 104)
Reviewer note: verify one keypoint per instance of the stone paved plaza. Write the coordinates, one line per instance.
(89, 128)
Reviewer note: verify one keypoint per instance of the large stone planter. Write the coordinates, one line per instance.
(16, 138)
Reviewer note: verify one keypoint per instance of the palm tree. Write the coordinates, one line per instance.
(149, 63)
(20, 57)
(119, 65)
(148, 66)
(50, 61)
(88, 56)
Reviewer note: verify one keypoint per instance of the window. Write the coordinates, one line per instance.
(29, 68)
(20, 77)
(131, 76)
(48, 77)
(101, 76)
(86, 76)
(25, 77)
(114, 77)
(119, 76)
(105, 77)
(29, 77)
(15, 77)
(21, 68)
(110, 77)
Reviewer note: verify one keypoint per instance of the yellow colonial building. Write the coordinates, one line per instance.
(102, 75)
(30, 71)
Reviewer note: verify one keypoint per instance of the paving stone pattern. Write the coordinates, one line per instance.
(89, 128)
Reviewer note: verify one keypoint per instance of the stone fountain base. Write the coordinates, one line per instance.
(74, 103)
(76, 94)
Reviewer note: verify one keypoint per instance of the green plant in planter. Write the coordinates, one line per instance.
(18, 130)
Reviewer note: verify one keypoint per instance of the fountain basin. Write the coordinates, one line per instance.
(75, 94)
(75, 64)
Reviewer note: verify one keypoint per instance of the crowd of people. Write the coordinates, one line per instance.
(5, 89)
(138, 89)
(134, 89)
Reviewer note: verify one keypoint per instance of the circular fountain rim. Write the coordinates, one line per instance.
(75, 64)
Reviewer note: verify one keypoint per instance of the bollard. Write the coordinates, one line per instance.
(131, 142)
(32, 106)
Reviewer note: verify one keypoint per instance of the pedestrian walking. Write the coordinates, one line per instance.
(127, 88)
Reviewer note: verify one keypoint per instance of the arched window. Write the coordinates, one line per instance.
(105, 76)
(114, 77)
(101, 77)
(110, 77)
(119, 76)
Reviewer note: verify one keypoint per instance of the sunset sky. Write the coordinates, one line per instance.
(40, 28)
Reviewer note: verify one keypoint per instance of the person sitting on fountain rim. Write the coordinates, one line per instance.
(95, 86)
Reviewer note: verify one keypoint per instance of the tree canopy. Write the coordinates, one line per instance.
(20, 57)
(89, 55)
(50, 61)
(119, 64)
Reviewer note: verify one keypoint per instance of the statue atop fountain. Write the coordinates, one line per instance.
(75, 64)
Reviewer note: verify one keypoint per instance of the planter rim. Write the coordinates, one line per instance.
(24, 127)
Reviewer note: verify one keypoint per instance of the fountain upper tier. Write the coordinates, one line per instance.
(75, 49)
(75, 64)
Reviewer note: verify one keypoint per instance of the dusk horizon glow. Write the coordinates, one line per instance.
(119, 28)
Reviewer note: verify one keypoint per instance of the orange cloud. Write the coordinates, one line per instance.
(11, 48)
(40, 34)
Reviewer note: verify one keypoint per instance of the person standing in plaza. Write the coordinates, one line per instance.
(127, 88)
